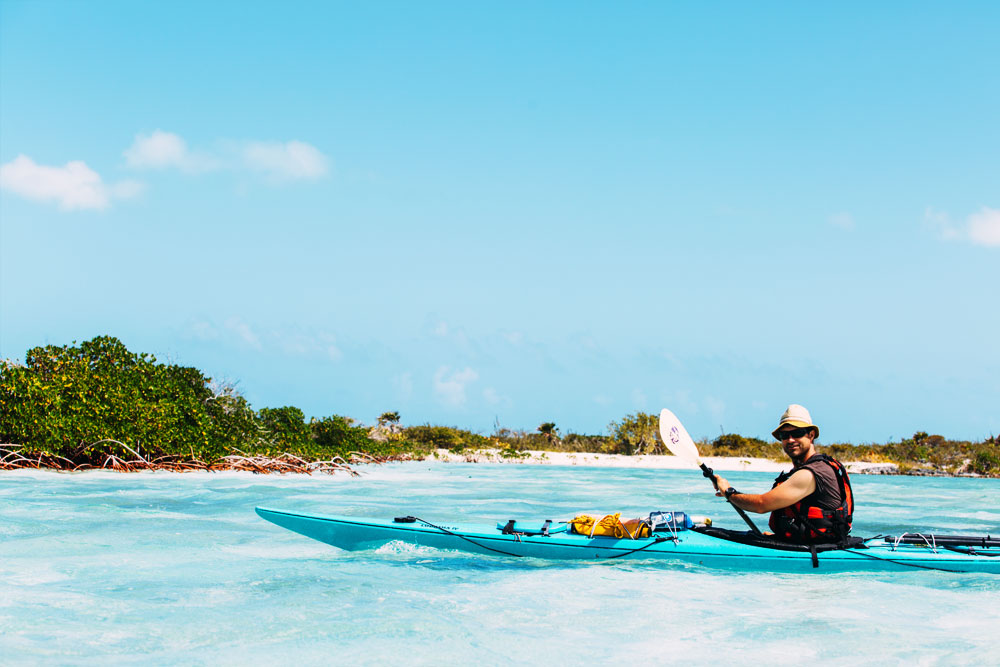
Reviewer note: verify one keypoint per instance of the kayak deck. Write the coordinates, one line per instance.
(680, 547)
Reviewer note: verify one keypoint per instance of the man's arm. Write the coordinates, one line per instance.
(791, 491)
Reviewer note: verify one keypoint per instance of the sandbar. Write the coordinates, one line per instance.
(664, 462)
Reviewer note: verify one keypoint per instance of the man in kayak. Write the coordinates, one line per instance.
(811, 503)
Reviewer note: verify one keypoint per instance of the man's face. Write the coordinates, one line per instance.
(796, 441)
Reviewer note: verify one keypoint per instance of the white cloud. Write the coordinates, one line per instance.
(163, 150)
(450, 387)
(293, 160)
(842, 220)
(321, 346)
(303, 344)
(73, 186)
(984, 227)
(941, 223)
(278, 161)
(980, 228)
(159, 149)
(244, 332)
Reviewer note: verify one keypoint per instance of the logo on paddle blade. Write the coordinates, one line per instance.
(675, 435)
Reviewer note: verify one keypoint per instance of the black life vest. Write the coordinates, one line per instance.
(806, 521)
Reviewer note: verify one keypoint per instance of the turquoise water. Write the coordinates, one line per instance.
(160, 568)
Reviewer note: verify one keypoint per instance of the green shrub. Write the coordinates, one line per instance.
(576, 442)
(285, 428)
(444, 437)
(337, 436)
(538, 441)
(731, 444)
(65, 399)
(986, 459)
(635, 434)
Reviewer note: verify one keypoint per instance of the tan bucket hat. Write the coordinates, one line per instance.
(796, 415)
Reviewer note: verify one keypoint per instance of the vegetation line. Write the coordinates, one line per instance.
(96, 405)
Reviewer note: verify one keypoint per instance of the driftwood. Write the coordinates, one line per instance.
(14, 457)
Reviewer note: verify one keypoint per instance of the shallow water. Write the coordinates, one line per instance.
(160, 568)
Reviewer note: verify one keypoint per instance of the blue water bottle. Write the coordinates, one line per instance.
(669, 521)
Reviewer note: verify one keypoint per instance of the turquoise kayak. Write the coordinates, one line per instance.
(698, 545)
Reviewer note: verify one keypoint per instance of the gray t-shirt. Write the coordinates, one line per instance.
(827, 494)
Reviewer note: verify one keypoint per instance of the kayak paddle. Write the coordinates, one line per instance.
(677, 440)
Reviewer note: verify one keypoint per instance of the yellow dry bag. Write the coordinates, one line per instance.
(610, 526)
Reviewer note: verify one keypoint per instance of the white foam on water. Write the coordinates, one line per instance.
(32, 574)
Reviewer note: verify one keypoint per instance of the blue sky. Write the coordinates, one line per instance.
(518, 212)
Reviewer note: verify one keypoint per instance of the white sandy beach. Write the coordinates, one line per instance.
(719, 463)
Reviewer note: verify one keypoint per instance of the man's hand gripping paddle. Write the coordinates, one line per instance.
(677, 440)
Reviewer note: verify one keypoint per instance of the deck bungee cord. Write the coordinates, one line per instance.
(920, 538)
(655, 540)
(981, 541)
(517, 536)
(414, 519)
(895, 561)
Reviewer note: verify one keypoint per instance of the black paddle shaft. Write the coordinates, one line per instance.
(708, 472)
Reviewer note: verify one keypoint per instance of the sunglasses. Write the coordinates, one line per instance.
(794, 433)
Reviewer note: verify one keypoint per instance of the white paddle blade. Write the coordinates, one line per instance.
(676, 437)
